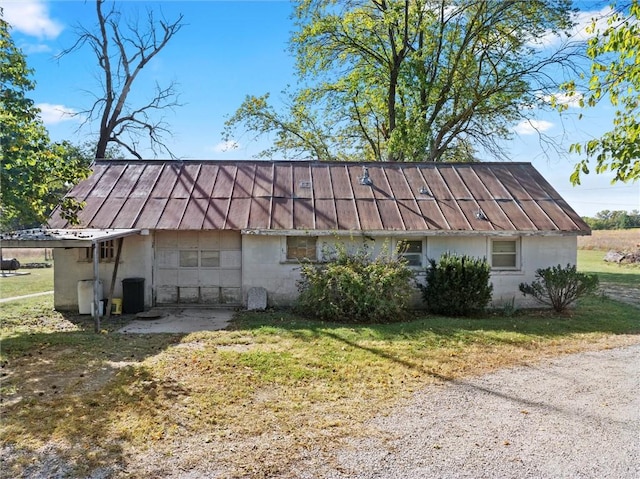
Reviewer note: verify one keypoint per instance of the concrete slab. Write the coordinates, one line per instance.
(180, 320)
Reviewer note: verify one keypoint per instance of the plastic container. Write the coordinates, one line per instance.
(116, 306)
(132, 295)
(85, 295)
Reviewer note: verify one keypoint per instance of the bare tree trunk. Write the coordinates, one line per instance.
(121, 55)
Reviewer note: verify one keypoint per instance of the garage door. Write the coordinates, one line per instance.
(198, 267)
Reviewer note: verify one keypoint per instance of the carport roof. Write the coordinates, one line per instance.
(311, 196)
(61, 238)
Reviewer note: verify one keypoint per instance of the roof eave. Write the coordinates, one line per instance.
(409, 233)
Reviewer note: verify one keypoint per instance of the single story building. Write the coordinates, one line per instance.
(207, 231)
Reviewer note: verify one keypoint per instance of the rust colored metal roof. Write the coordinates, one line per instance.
(320, 196)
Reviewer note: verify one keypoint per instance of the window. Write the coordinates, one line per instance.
(107, 252)
(210, 259)
(188, 259)
(411, 250)
(204, 259)
(301, 247)
(504, 254)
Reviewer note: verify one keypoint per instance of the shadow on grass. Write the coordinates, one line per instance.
(84, 430)
(64, 387)
(592, 315)
(624, 279)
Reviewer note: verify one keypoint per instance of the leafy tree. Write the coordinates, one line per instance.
(611, 220)
(121, 56)
(407, 80)
(35, 174)
(615, 73)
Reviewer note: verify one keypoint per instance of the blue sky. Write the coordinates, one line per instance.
(231, 49)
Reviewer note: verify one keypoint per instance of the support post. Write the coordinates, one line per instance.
(113, 278)
(96, 284)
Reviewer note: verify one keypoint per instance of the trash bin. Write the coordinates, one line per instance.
(132, 295)
(85, 295)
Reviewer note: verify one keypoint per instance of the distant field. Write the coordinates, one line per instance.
(605, 240)
(28, 255)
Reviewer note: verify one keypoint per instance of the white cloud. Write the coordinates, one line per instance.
(53, 114)
(581, 31)
(31, 17)
(572, 101)
(532, 127)
(225, 146)
(29, 49)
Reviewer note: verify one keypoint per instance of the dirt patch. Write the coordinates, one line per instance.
(44, 375)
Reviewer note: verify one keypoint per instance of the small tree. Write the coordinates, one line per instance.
(559, 287)
(355, 287)
(457, 285)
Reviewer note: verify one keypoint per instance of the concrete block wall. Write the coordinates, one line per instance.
(136, 261)
(264, 262)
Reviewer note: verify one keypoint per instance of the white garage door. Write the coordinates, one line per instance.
(198, 267)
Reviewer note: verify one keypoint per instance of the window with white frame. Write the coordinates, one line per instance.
(504, 253)
(412, 251)
(302, 247)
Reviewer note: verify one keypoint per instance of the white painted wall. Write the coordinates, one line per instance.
(536, 252)
(136, 261)
(265, 265)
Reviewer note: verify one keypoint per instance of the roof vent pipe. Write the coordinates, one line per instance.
(365, 179)
(481, 216)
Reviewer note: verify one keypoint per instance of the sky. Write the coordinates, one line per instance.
(230, 49)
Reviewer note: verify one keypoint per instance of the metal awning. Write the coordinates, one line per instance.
(74, 238)
(62, 238)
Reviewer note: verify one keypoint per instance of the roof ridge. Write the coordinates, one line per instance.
(315, 162)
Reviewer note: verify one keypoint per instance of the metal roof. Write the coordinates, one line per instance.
(263, 196)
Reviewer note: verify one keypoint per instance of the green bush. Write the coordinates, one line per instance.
(457, 285)
(559, 287)
(355, 287)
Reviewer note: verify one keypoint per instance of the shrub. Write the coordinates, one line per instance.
(457, 285)
(354, 287)
(559, 287)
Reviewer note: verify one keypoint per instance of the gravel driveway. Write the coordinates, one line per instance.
(576, 416)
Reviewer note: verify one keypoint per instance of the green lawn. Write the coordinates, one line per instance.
(109, 395)
(274, 375)
(38, 280)
(590, 261)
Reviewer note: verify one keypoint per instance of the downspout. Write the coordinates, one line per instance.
(96, 286)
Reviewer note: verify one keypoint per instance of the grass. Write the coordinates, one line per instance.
(255, 398)
(605, 240)
(590, 261)
(38, 280)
